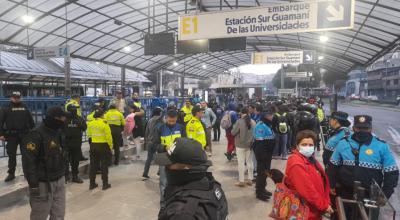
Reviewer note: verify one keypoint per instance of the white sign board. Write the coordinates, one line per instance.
(286, 18)
(48, 52)
(285, 91)
(301, 79)
(283, 57)
(296, 74)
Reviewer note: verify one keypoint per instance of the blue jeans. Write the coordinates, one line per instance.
(151, 150)
(163, 185)
(280, 148)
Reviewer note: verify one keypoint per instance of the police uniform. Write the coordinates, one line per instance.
(188, 113)
(15, 122)
(195, 130)
(364, 162)
(43, 163)
(75, 127)
(116, 120)
(77, 105)
(336, 136)
(100, 149)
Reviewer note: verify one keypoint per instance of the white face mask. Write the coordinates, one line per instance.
(306, 151)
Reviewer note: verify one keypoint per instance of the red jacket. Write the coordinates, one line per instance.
(304, 178)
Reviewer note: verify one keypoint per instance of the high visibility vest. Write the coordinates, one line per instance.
(168, 135)
(195, 131)
(99, 131)
(320, 114)
(78, 107)
(114, 117)
(138, 104)
(188, 113)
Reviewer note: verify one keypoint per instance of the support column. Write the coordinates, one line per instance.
(95, 89)
(160, 88)
(123, 74)
(283, 77)
(67, 67)
(183, 85)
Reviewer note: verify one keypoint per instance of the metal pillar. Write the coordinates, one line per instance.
(67, 67)
(95, 89)
(283, 77)
(160, 83)
(123, 74)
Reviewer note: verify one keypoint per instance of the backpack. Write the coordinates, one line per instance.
(282, 126)
(202, 201)
(226, 121)
(306, 121)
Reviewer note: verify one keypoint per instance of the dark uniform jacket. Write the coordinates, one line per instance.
(42, 156)
(75, 127)
(14, 119)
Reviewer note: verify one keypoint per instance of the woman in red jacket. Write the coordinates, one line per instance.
(305, 175)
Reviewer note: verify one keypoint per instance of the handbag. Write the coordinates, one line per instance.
(288, 205)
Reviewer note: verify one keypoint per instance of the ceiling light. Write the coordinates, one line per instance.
(204, 66)
(175, 63)
(323, 38)
(28, 19)
(97, 63)
(127, 49)
(320, 57)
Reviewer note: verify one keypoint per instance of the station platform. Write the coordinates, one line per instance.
(133, 198)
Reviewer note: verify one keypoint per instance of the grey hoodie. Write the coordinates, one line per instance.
(243, 135)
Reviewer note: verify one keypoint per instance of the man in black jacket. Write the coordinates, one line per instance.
(43, 163)
(15, 122)
(75, 127)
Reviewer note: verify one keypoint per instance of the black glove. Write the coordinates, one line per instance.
(34, 191)
(161, 148)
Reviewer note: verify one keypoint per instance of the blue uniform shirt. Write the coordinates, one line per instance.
(375, 155)
(255, 117)
(335, 139)
(263, 132)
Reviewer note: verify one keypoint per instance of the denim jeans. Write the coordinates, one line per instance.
(280, 145)
(151, 150)
(163, 185)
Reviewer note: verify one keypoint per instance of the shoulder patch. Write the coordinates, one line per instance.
(193, 121)
(31, 146)
(369, 152)
(218, 193)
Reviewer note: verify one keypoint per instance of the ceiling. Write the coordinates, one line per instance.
(89, 28)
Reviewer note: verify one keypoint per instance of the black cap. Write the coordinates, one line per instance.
(16, 94)
(196, 109)
(342, 118)
(172, 113)
(185, 151)
(363, 121)
(55, 111)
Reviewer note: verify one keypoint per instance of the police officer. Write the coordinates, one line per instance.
(75, 100)
(116, 121)
(136, 100)
(194, 128)
(362, 157)
(187, 110)
(100, 149)
(192, 192)
(75, 127)
(15, 122)
(340, 129)
(43, 163)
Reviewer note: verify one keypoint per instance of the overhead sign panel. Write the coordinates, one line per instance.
(301, 79)
(276, 19)
(285, 91)
(48, 52)
(283, 57)
(296, 74)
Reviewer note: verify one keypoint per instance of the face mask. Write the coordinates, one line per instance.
(362, 136)
(307, 151)
(179, 177)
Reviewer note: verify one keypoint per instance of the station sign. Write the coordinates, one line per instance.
(301, 79)
(48, 52)
(283, 57)
(296, 74)
(285, 91)
(295, 17)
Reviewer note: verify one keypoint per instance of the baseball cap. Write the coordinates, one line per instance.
(363, 121)
(185, 151)
(55, 111)
(196, 109)
(15, 94)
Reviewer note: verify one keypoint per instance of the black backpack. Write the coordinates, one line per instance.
(200, 200)
(305, 121)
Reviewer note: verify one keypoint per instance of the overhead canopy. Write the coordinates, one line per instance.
(100, 30)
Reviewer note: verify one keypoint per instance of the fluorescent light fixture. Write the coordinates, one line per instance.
(97, 63)
(175, 63)
(204, 66)
(28, 19)
(127, 49)
(323, 38)
(320, 57)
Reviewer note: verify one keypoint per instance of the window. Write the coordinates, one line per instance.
(387, 82)
(396, 81)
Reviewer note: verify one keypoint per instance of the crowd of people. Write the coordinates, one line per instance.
(180, 142)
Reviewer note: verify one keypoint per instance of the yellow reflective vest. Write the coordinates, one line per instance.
(320, 114)
(90, 117)
(138, 104)
(114, 117)
(78, 107)
(195, 131)
(99, 131)
(188, 113)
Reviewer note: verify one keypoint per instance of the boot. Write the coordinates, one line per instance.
(93, 186)
(106, 186)
(10, 177)
(76, 179)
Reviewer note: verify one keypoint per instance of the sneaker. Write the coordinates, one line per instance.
(93, 186)
(262, 197)
(106, 186)
(249, 182)
(240, 184)
(9, 178)
(145, 177)
(76, 179)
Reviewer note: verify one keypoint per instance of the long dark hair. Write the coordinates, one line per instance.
(247, 119)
